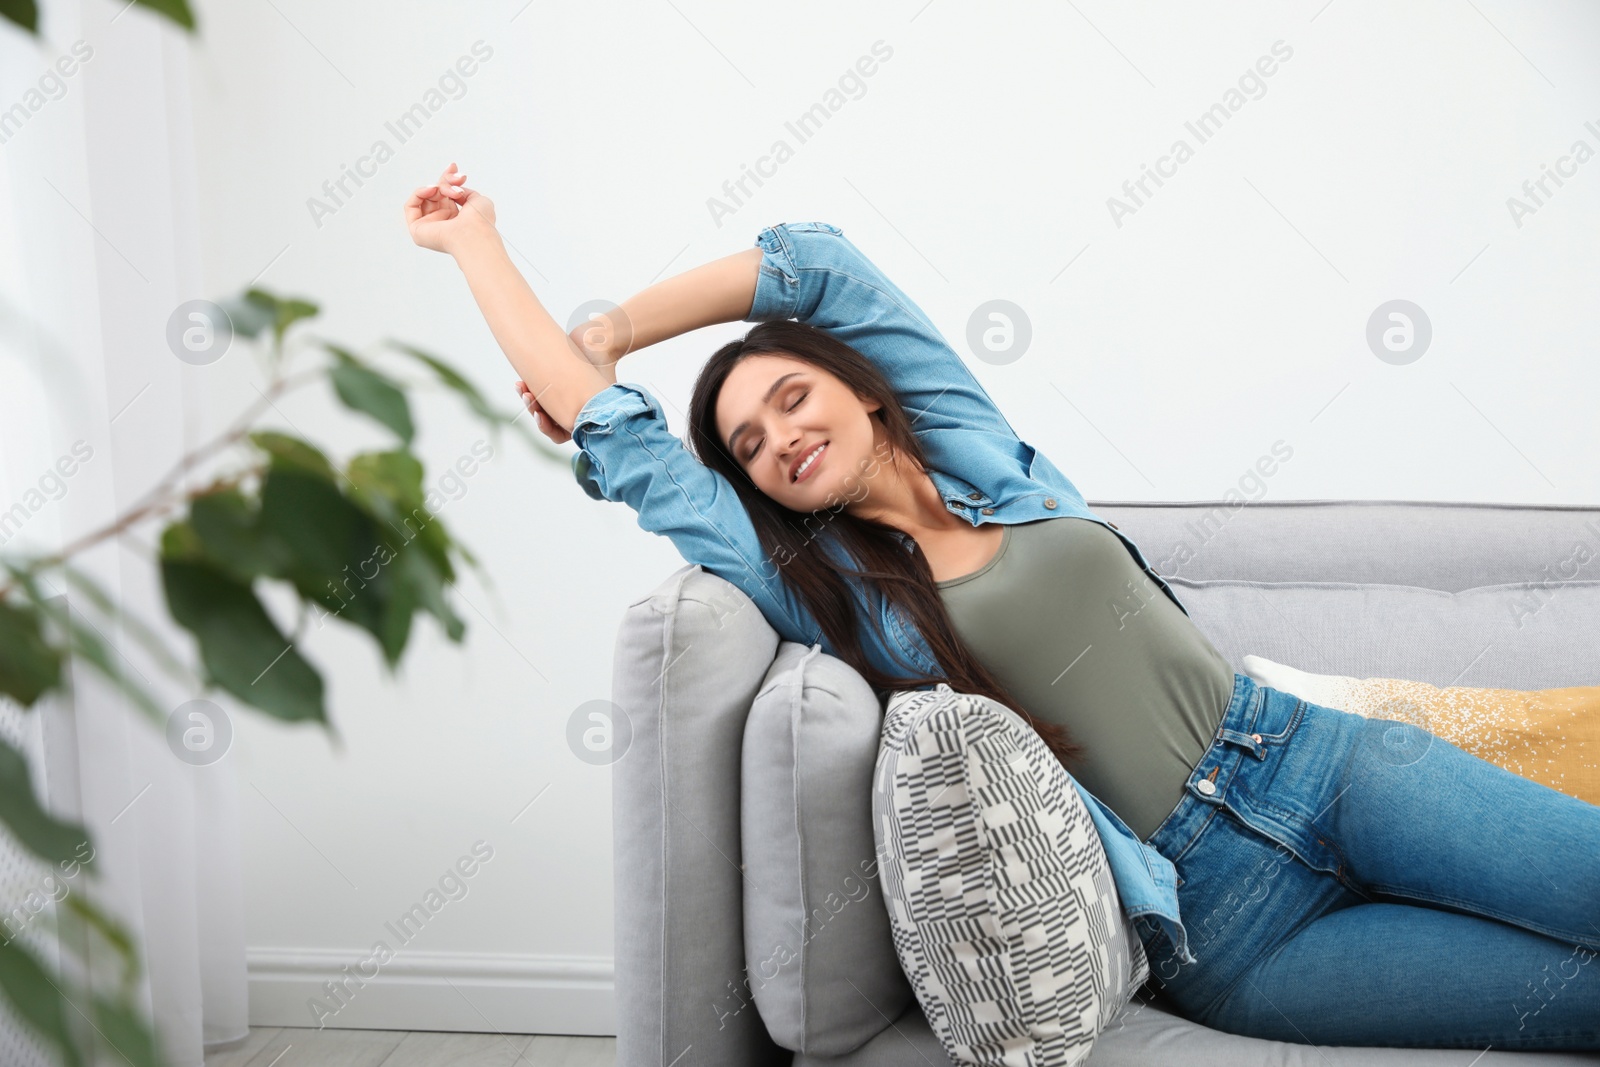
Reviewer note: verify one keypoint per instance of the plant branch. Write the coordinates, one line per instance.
(154, 501)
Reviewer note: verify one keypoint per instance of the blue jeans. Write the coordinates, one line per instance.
(1355, 881)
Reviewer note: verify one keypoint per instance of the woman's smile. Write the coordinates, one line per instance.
(809, 464)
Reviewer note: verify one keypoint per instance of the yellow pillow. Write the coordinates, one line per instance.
(1549, 735)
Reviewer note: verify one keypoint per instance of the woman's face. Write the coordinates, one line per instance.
(775, 411)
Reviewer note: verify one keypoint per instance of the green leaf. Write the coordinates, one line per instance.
(396, 477)
(37, 999)
(126, 1033)
(365, 390)
(340, 555)
(85, 641)
(140, 630)
(389, 485)
(242, 648)
(426, 585)
(322, 529)
(39, 832)
(395, 628)
(24, 13)
(109, 928)
(176, 10)
(228, 525)
(179, 541)
(453, 379)
(293, 451)
(250, 316)
(518, 421)
(255, 310)
(285, 312)
(472, 561)
(28, 665)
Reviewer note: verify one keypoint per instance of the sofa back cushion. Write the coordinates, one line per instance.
(1445, 545)
(818, 949)
(1523, 635)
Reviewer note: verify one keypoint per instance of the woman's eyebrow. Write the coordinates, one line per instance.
(771, 392)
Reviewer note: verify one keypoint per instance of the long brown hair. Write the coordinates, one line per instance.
(904, 578)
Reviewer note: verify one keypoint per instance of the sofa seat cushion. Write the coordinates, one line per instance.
(1000, 896)
(1147, 1034)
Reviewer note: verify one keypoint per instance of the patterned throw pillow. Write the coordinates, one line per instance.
(1549, 735)
(1004, 913)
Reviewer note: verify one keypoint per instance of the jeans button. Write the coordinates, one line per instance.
(988, 511)
(1206, 786)
(974, 496)
(1256, 738)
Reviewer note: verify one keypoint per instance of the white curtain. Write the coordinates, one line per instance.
(97, 247)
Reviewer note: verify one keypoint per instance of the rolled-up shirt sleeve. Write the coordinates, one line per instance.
(811, 272)
(627, 454)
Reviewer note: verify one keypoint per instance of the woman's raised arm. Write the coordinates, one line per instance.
(448, 217)
(708, 295)
(811, 272)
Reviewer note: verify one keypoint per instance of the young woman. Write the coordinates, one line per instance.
(1341, 880)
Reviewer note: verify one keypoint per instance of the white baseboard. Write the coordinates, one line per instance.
(416, 990)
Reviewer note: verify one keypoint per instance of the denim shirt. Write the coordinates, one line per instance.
(811, 272)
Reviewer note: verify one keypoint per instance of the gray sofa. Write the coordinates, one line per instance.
(1447, 593)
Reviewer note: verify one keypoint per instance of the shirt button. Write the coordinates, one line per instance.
(1050, 502)
(1206, 786)
(974, 496)
(988, 511)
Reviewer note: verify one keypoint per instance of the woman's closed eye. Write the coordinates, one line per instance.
(761, 442)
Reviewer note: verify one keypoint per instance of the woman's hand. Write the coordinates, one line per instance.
(602, 362)
(547, 426)
(440, 216)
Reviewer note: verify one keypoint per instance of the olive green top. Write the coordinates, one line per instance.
(1066, 619)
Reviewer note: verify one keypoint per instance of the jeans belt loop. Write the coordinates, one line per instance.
(1250, 741)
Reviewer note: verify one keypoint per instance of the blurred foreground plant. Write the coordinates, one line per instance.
(25, 13)
(281, 511)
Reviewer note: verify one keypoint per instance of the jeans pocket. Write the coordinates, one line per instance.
(1279, 715)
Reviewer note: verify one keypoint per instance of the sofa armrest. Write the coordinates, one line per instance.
(690, 658)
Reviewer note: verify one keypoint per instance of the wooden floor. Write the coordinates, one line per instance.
(270, 1046)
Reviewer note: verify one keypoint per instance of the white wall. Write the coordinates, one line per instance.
(1228, 311)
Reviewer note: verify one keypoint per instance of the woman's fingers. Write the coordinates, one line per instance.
(424, 201)
(449, 181)
(418, 205)
(547, 425)
(429, 198)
